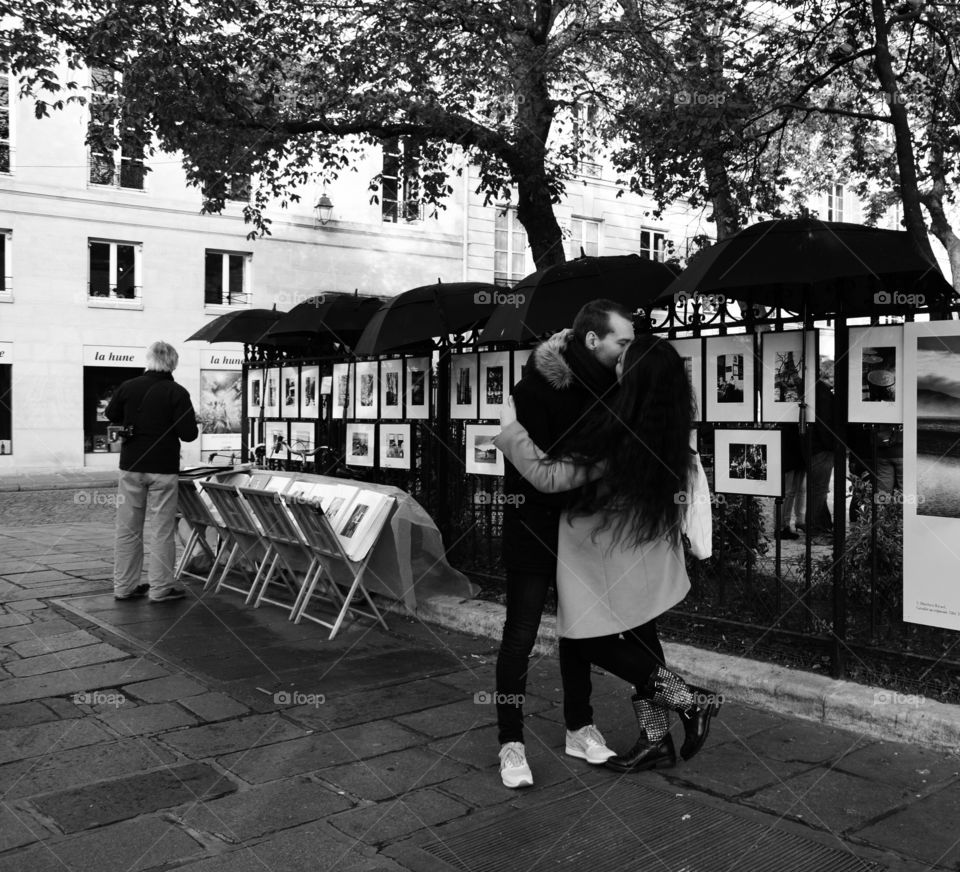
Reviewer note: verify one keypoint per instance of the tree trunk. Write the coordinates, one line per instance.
(726, 214)
(909, 187)
(535, 213)
(933, 200)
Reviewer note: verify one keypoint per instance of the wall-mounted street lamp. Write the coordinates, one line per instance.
(324, 209)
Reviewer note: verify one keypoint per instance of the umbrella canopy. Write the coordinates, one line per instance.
(337, 317)
(826, 267)
(414, 317)
(244, 325)
(548, 299)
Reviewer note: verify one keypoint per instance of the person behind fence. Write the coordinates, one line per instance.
(157, 415)
(563, 386)
(620, 556)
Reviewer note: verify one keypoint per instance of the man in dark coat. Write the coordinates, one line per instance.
(560, 389)
(160, 415)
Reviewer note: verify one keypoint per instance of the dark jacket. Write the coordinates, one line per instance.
(162, 416)
(557, 393)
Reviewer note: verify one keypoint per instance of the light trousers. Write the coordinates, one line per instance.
(138, 492)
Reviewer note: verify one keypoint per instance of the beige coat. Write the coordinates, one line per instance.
(603, 587)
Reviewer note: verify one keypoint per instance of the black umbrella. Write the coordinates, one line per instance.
(337, 317)
(820, 267)
(244, 325)
(414, 317)
(548, 299)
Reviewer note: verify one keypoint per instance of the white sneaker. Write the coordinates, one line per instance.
(587, 744)
(513, 766)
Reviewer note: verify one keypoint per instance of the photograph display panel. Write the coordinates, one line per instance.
(417, 388)
(368, 393)
(875, 375)
(729, 379)
(931, 473)
(275, 434)
(395, 446)
(290, 392)
(463, 386)
(254, 392)
(482, 456)
(310, 392)
(271, 407)
(691, 353)
(780, 376)
(302, 441)
(494, 382)
(342, 390)
(361, 444)
(520, 360)
(748, 462)
(391, 388)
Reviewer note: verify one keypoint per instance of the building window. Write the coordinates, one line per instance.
(225, 279)
(511, 253)
(234, 186)
(117, 149)
(835, 203)
(585, 139)
(653, 245)
(6, 138)
(114, 269)
(400, 181)
(584, 238)
(6, 264)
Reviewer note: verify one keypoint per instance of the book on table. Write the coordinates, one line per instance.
(358, 524)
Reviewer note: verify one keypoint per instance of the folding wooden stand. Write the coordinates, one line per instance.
(198, 517)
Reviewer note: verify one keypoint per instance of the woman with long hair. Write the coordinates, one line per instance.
(620, 553)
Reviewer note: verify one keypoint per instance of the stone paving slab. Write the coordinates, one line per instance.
(212, 740)
(214, 706)
(49, 644)
(392, 774)
(394, 818)
(69, 658)
(23, 714)
(109, 802)
(17, 828)
(22, 743)
(164, 689)
(146, 719)
(73, 680)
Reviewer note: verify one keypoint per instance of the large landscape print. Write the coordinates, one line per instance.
(938, 426)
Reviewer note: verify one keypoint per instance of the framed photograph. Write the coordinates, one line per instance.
(691, 352)
(302, 439)
(780, 377)
(342, 390)
(729, 379)
(271, 408)
(367, 403)
(310, 392)
(361, 444)
(463, 386)
(290, 392)
(875, 373)
(748, 462)
(391, 388)
(275, 435)
(395, 446)
(254, 392)
(483, 457)
(417, 387)
(520, 359)
(494, 382)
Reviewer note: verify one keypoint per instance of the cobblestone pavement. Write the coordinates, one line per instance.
(208, 735)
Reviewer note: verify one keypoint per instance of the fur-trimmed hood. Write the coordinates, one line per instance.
(549, 361)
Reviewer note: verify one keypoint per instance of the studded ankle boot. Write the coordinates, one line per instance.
(694, 705)
(654, 748)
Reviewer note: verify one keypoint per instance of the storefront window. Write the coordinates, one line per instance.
(99, 384)
(6, 412)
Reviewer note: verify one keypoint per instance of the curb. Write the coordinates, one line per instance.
(53, 485)
(874, 711)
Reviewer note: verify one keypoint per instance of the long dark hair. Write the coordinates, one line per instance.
(643, 440)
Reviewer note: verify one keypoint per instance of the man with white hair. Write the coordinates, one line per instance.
(156, 414)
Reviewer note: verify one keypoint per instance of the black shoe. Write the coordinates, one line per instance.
(696, 721)
(787, 533)
(139, 591)
(173, 594)
(644, 755)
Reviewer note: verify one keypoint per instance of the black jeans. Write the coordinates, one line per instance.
(526, 594)
(631, 655)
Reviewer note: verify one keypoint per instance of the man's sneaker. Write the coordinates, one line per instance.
(139, 591)
(174, 593)
(513, 766)
(587, 744)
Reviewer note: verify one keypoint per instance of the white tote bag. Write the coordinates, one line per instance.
(698, 517)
